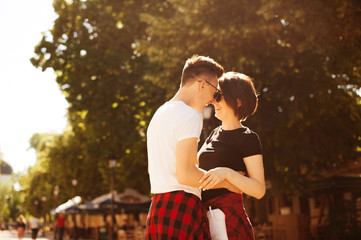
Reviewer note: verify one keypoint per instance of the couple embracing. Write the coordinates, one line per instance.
(185, 183)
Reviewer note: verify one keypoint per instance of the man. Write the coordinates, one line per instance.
(34, 226)
(176, 211)
(60, 224)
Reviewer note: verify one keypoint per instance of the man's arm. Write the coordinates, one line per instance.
(187, 171)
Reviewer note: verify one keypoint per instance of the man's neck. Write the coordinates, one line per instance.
(188, 97)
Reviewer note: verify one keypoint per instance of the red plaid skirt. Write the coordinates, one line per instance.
(177, 215)
(238, 224)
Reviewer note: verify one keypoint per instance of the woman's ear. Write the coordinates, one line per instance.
(239, 103)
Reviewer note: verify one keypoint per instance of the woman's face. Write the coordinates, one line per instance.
(222, 110)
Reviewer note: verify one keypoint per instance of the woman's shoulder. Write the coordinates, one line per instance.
(250, 135)
(213, 134)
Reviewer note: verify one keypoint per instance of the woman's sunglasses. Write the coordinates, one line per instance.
(217, 95)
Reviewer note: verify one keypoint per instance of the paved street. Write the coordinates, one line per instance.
(12, 234)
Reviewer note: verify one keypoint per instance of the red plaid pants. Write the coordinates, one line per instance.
(237, 222)
(177, 215)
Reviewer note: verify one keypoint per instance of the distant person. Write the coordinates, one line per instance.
(176, 210)
(20, 226)
(3, 226)
(230, 149)
(34, 226)
(60, 224)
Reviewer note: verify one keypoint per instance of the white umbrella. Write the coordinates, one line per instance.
(70, 204)
(106, 198)
(132, 196)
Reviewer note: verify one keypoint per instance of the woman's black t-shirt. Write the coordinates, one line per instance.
(227, 148)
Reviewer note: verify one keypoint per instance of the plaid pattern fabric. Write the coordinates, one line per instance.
(177, 215)
(237, 222)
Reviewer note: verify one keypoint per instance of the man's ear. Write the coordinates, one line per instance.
(239, 103)
(200, 85)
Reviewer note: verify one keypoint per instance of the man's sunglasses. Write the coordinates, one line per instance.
(217, 95)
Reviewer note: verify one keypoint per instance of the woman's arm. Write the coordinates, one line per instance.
(222, 184)
(227, 185)
(253, 184)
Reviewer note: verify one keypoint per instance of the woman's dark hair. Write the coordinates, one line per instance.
(239, 93)
(200, 65)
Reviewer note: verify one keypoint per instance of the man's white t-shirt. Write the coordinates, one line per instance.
(172, 122)
(34, 223)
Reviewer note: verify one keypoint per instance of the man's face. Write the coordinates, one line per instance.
(210, 86)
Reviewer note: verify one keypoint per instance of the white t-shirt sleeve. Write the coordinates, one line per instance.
(189, 128)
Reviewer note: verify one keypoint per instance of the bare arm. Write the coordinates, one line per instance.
(253, 185)
(228, 185)
(187, 171)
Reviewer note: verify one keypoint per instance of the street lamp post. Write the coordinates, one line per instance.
(37, 210)
(112, 164)
(7, 197)
(43, 200)
(43, 208)
(56, 193)
(74, 182)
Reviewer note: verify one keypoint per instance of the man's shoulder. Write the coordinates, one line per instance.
(178, 107)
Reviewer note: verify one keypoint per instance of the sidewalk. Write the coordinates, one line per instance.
(12, 234)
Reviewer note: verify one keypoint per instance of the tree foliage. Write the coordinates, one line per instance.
(91, 48)
(117, 61)
(305, 61)
(11, 201)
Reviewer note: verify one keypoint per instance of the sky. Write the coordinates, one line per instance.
(30, 100)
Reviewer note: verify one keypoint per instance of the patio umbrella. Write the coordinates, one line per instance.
(70, 204)
(103, 199)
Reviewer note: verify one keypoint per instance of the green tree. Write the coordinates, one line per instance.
(110, 55)
(59, 161)
(91, 48)
(10, 200)
(304, 58)
(4, 202)
(11, 203)
(37, 183)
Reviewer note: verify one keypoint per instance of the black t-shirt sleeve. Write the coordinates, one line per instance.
(254, 146)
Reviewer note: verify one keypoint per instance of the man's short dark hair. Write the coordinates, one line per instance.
(200, 65)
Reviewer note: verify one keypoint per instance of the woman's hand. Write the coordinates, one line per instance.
(213, 177)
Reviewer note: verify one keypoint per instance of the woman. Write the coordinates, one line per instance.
(20, 226)
(233, 152)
